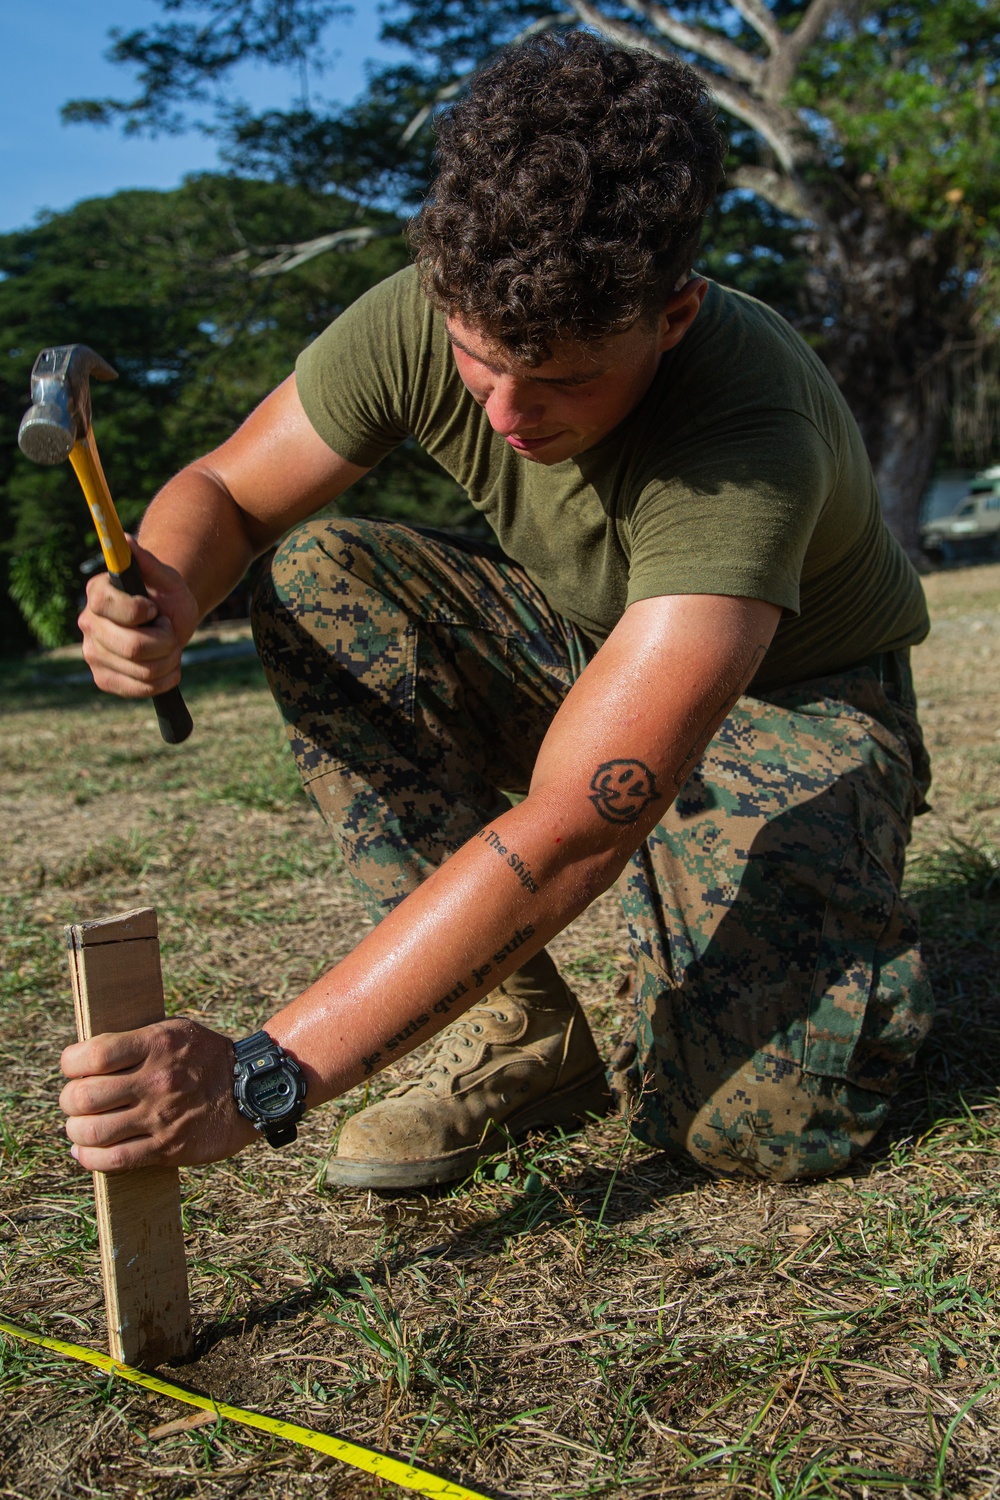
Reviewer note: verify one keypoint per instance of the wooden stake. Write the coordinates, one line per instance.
(115, 968)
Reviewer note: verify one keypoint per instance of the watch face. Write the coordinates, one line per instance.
(271, 1093)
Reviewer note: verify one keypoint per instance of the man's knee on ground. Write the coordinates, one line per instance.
(782, 1129)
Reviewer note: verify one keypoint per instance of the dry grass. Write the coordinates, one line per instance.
(581, 1318)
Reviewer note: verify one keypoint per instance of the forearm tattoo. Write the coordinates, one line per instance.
(476, 981)
(621, 790)
(510, 858)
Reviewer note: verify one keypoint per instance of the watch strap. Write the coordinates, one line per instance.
(257, 1046)
(259, 1042)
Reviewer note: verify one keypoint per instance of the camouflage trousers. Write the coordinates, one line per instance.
(780, 992)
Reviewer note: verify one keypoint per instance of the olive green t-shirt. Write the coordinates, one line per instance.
(741, 471)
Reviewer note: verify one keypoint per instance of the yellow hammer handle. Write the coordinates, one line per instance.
(87, 463)
(171, 710)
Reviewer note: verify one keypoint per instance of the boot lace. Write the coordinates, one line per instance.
(444, 1058)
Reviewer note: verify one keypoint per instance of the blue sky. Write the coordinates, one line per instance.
(56, 53)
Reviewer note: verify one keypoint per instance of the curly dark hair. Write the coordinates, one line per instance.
(573, 181)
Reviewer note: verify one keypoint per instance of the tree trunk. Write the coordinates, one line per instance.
(877, 300)
(909, 437)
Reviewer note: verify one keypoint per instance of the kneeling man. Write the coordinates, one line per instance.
(686, 655)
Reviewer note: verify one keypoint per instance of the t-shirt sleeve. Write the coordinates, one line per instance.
(352, 379)
(735, 514)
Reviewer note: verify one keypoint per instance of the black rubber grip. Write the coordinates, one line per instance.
(171, 711)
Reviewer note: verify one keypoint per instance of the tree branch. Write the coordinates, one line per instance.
(451, 89)
(696, 39)
(779, 127)
(757, 15)
(424, 113)
(776, 188)
(287, 257)
(812, 23)
(792, 45)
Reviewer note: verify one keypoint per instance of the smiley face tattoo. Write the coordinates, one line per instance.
(622, 789)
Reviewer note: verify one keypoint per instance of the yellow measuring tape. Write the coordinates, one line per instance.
(405, 1475)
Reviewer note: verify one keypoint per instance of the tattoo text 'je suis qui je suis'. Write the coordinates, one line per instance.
(474, 983)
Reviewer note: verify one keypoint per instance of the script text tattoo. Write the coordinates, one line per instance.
(510, 858)
(477, 981)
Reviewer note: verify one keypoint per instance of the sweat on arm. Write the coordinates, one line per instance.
(613, 759)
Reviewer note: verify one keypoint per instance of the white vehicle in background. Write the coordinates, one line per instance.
(973, 528)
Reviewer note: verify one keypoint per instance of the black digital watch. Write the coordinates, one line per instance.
(269, 1088)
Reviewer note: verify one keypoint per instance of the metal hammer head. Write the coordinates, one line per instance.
(59, 414)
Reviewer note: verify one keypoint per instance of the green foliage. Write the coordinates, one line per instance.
(43, 587)
(161, 284)
(896, 97)
(907, 93)
(875, 148)
(358, 152)
(749, 245)
(969, 866)
(180, 62)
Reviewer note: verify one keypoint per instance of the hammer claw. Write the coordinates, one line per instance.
(59, 414)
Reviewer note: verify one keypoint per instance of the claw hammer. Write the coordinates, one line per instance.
(57, 426)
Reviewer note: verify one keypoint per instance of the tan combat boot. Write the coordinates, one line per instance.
(524, 1058)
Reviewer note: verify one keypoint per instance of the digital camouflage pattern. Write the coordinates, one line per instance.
(780, 991)
(417, 681)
